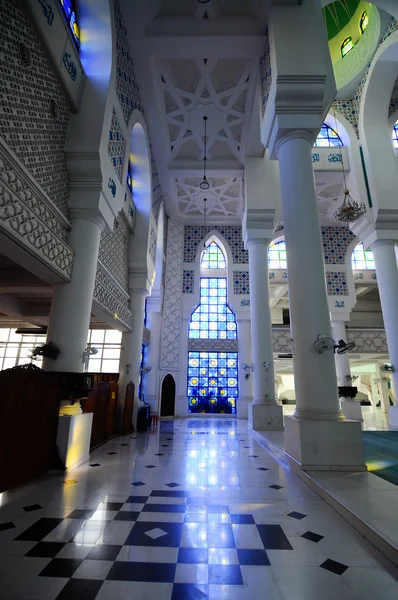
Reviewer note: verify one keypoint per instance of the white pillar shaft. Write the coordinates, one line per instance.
(151, 380)
(342, 360)
(314, 373)
(261, 327)
(130, 357)
(387, 280)
(245, 356)
(72, 302)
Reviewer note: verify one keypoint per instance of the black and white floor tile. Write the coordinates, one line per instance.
(209, 514)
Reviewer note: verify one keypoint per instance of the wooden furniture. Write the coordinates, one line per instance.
(128, 409)
(29, 407)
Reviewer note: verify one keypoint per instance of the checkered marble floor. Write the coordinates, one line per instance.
(192, 510)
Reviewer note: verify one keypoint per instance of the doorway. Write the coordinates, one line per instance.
(168, 397)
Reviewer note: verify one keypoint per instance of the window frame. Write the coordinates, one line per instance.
(71, 18)
(329, 138)
(364, 16)
(346, 42)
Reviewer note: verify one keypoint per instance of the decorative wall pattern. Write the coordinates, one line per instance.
(114, 250)
(157, 196)
(26, 122)
(116, 145)
(241, 282)
(29, 217)
(335, 241)
(350, 108)
(336, 282)
(265, 72)
(153, 234)
(194, 234)
(188, 282)
(213, 345)
(281, 341)
(170, 348)
(111, 298)
(126, 81)
(368, 341)
(393, 106)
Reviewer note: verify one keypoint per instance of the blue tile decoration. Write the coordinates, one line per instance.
(265, 72)
(336, 282)
(241, 282)
(335, 241)
(126, 81)
(194, 234)
(116, 145)
(188, 282)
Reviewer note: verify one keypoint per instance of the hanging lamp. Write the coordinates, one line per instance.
(349, 210)
(204, 184)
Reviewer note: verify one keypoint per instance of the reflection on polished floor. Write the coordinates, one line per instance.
(194, 510)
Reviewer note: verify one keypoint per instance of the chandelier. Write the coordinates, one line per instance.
(204, 184)
(349, 210)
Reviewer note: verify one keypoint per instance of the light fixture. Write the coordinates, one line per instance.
(204, 184)
(349, 210)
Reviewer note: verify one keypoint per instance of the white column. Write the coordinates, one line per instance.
(387, 280)
(72, 302)
(151, 380)
(130, 357)
(317, 436)
(350, 408)
(264, 412)
(245, 356)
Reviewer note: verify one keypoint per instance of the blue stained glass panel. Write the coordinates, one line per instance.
(217, 386)
(69, 10)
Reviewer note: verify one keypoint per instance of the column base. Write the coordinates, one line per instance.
(351, 410)
(265, 416)
(393, 416)
(324, 445)
(242, 407)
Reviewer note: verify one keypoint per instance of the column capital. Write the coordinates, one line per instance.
(259, 224)
(295, 134)
(257, 242)
(87, 215)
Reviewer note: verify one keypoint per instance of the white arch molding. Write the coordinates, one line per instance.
(375, 132)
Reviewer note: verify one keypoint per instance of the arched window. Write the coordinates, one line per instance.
(395, 135)
(277, 256)
(213, 258)
(364, 21)
(328, 138)
(362, 259)
(130, 178)
(346, 46)
(212, 375)
(69, 10)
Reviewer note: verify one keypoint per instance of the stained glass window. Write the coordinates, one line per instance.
(69, 10)
(362, 259)
(364, 22)
(395, 135)
(328, 138)
(346, 46)
(213, 319)
(213, 257)
(277, 256)
(130, 178)
(212, 382)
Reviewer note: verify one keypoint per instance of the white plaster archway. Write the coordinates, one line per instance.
(390, 6)
(381, 160)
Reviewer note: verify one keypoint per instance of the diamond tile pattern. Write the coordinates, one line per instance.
(217, 529)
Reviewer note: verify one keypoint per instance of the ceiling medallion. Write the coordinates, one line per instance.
(350, 210)
(204, 184)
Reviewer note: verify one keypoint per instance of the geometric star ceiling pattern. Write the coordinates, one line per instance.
(216, 89)
(224, 198)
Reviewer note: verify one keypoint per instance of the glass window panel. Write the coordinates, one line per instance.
(9, 363)
(112, 336)
(111, 353)
(97, 336)
(4, 333)
(364, 22)
(213, 257)
(94, 365)
(14, 337)
(11, 351)
(395, 135)
(216, 393)
(277, 256)
(327, 137)
(346, 46)
(362, 259)
(110, 366)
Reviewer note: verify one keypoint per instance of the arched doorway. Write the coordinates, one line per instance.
(168, 397)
